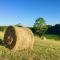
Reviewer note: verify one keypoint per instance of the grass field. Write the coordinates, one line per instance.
(52, 36)
(1, 35)
(42, 50)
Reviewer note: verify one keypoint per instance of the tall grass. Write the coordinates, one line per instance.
(42, 50)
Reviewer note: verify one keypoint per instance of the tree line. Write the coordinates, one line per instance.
(54, 29)
(40, 27)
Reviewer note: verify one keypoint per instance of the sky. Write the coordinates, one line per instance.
(27, 11)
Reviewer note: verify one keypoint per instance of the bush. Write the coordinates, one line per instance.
(3, 28)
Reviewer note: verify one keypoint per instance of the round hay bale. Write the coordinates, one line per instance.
(43, 38)
(18, 38)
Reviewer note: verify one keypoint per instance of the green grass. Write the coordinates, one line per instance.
(47, 50)
(42, 50)
(52, 36)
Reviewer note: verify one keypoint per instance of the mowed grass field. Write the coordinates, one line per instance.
(42, 50)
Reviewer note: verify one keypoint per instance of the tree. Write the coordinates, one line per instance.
(40, 26)
(19, 25)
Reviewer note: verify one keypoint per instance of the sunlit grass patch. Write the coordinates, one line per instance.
(42, 50)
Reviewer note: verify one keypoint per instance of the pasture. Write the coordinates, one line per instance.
(42, 50)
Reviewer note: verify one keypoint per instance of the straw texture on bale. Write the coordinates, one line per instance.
(18, 38)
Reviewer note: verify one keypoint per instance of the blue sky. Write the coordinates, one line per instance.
(27, 11)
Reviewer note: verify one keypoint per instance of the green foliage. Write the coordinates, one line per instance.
(39, 23)
(54, 29)
(19, 25)
(40, 26)
(3, 28)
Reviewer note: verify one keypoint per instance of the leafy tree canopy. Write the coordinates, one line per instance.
(40, 26)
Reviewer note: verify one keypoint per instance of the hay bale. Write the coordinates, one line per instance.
(18, 38)
(43, 38)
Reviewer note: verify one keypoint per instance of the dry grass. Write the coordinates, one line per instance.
(42, 50)
(1, 35)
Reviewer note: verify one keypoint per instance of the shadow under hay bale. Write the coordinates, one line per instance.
(1, 42)
(18, 38)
